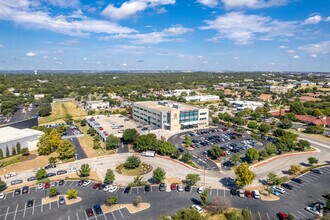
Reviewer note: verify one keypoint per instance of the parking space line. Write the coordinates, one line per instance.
(71, 184)
(65, 183)
(68, 217)
(33, 209)
(13, 195)
(150, 189)
(24, 210)
(105, 217)
(5, 196)
(137, 190)
(113, 216)
(77, 216)
(58, 204)
(210, 192)
(224, 193)
(295, 216)
(217, 192)
(86, 215)
(7, 213)
(267, 216)
(121, 213)
(42, 207)
(50, 206)
(15, 212)
(259, 215)
(308, 212)
(36, 189)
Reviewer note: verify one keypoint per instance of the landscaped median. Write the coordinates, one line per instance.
(130, 207)
(47, 200)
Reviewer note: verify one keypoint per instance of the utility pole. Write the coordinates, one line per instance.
(204, 176)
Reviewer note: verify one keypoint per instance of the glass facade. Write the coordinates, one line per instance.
(188, 116)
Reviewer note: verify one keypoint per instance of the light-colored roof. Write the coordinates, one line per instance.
(9, 133)
(163, 108)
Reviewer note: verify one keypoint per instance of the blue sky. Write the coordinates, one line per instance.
(216, 35)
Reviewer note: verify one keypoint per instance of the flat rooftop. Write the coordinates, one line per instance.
(164, 106)
(9, 133)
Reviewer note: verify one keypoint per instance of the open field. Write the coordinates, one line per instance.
(60, 109)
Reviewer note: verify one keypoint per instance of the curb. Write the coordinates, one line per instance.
(181, 163)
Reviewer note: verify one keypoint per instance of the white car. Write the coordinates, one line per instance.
(279, 189)
(198, 208)
(180, 188)
(256, 194)
(40, 186)
(72, 170)
(107, 188)
(87, 182)
(200, 190)
(315, 210)
(112, 189)
(2, 195)
(240, 193)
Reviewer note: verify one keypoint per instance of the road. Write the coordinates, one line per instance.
(80, 153)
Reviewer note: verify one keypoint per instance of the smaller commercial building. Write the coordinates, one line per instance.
(10, 136)
(94, 105)
(241, 105)
(169, 115)
(201, 98)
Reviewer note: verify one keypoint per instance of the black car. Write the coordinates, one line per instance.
(287, 186)
(317, 171)
(50, 166)
(297, 180)
(127, 189)
(97, 209)
(181, 150)
(17, 191)
(25, 189)
(187, 188)
(32, 178)
(81, 182)
(29, 203)
(89, 212)
(61, 172)
(233, 192)
(147, 188)
(51, 174)
(162, 187)
(61, 182)
(104, 185)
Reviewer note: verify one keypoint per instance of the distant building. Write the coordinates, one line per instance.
(10, 136)
(94, 105)
(322, 120)
(241, 105)
(202, 98)
(265, 97)
(64, 100)
(39, 96)
(281, 89)
(170, 115)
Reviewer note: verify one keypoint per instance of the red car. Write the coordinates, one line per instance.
(248, 194)
(97, 185)
(47, 185)
(223, 155)
(282, 215)
(173, 186)
(89, 212)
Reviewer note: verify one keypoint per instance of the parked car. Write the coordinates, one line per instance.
(29, 203)
(127, 189)
(274, 191)
(248, 194)
(61, 200)
(147, 188)
(40, 186)
(52, 184)
(61, 182)
(97, 185)
(240, 193)
(173, 186)
(61, 172)
(317, 171)
(287, 186)
(197, 208)
(297, 180)
(279, 189)
(47, 185)
(81, 182)
(162, 187)
(51, 174)
(25, 189)
(50, 166)
(187, 188)
(15, 182)
(282, 216)
(17, 191)
(32, 178)
(97, 209)
(200, 190)
(233, 192)
(72, 170)
(256, 194)
(86, 183)
(89, 212)
(2, 195)
(315, 210)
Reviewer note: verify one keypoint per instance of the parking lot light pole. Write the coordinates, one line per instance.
(204, 176)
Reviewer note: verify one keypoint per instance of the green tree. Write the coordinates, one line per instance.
(13, 151)
(244, 176)
(96, 145)
(246, 214)
(176, 154)
(264, 128)
(72, 193)
(312, 160)
(192, 178)
(18, 147)
(83, 123)
(295, 168)
(270, 148)
(7, 152)
(187, 141)
(112, 142)
(252, 154)
(204, 197)
(159, 174)
(286, 123)
(186, 157)
(53, 192)
(303, 145)
(274, 179)
(216, 151)
(68, 118)
(111, 200)
(130, 135)
(147, 142)
(297, 108)
(85, 170)
(44, 110)
(66, 150)
(137, 201)
(166, 148)
(52, 160)
(91, 131)
(252, 124)
(41, 174)
(3, 185)
(187, 214)
(25, 152)
(132, 162)
(109, 177)
(236, 158)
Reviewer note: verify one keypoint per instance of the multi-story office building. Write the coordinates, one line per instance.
(170, 115)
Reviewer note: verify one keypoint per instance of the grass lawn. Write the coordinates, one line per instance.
(316, 136)
(60, 109)
(86, 142)
(141, 170)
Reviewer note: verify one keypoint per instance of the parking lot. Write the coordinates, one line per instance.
(202, 141)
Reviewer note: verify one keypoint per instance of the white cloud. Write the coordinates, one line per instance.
(235, 58)
(20, 13)
(313, 19)
(327, 19)
(64, 3)
(229, 4)
(132, 7)
(1, 46)
(243, 29)
(296, 57)
(320, 48)
(283, 47)
(209, 3)
(290, 51)
(313, 55)
(166, 35)
(30, 54)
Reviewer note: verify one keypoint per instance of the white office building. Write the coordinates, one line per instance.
(201, 98)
